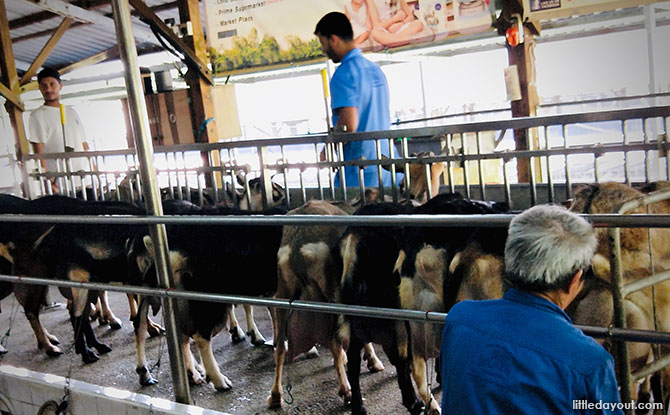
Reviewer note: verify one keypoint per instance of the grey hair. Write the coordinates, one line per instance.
(546, 245)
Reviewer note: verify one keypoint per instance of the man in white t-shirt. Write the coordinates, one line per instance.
(46, 129)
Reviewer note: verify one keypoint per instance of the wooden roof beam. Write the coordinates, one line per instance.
(83, 15)
(192, 59)
(85, 4)
(46, 50)
(11, 96)
(10, 79)
(91, 60)
(110, 53)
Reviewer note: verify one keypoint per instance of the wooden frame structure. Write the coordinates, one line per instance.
(83, 12)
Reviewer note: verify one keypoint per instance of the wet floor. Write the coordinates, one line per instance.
(250, 368)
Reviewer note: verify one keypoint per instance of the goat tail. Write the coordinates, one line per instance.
(348, 252)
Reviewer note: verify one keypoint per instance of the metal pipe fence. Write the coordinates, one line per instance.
(566, 149)
(621, 289)
(622, 145)
(597, 220)
(496, 220)
(612, 333)
(555, 105)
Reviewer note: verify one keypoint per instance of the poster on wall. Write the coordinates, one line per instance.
(252, 33)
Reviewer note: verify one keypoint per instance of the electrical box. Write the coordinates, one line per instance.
(170, 119)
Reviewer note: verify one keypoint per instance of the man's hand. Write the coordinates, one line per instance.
(322, 155)
(54, 187)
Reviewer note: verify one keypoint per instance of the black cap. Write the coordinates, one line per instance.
(48, 73)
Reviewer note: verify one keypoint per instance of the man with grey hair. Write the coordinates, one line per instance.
(521, 354)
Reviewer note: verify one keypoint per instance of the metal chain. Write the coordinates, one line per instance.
(161, 351)
(289, 385)
(15, 306)
(4, 341)
(429, 384)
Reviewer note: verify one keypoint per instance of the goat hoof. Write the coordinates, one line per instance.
(416, 408)
(374, 365)
(145, 377)
(115, 324)
(194, 377)
(54, 352)
(346, 396)
(274, 400)
(155, 331)
(2, 350)
(224, 385)
(53, 340)
(359, 411)
(236, 335)
(102, 348)
(148, 382)
(312, 353)
(256, 340)
(89, 357)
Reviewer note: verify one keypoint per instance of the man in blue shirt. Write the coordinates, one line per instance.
(360, 96)
(521, 354)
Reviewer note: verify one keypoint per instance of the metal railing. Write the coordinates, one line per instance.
(621, 289)
(612, 221)
(619, 333)
(633, 143)
(639, 131)
(320, 307)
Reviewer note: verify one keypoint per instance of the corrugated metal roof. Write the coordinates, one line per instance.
(80, 41)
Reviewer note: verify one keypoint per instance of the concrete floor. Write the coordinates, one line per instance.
(250, 368)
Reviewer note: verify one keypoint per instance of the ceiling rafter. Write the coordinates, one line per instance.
(46, 50)
(84, 4)
(107, 54)
(78, 13)
(191, 58)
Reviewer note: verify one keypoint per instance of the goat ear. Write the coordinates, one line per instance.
(386, 167)
(149, 244)
(240, 178)
(601, 267)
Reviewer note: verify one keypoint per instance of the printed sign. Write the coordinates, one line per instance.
(538, 10)
(537, 5)
(252, 33)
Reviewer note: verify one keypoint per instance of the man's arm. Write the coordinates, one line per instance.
(38, 148)
(602, 386)
(347, 117)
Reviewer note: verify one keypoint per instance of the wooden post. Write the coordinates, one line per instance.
(200, 91)
(10, 79)
(523, 56)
